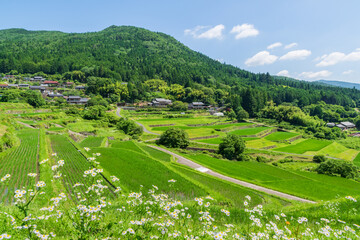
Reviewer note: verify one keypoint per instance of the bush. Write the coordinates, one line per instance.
(179, 106)
(241, 115)
(232, 147)
(94, 112)
(129, 127)
(319, 158)
(342, 168)
(262, 159)
(174, 138)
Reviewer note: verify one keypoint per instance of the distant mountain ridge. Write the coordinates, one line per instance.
(339, 84)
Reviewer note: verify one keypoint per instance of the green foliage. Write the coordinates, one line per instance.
(232, 147)
(241, 115)
(174, 138)
(34, 98)
(97, 100)
(344, 169)
(319, 158)
(231, 115)
(94, 112)
(129, 127)
(179, 106)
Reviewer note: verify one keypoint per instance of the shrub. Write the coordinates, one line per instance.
(241, 115)
(129, 127)
(262, 159)
(179, 106)
(94, 112)
(319, 158)
(232, 147)
(174, 138)
(338, 167)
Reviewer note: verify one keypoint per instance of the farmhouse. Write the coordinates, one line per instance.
(330, 125)
(4, 86)
(51, 83)
(77, 100)
(80, 88)
(160, 102)
(54, 95)
(23, 85)
(197, 105)
(13, 85)
(40, 88)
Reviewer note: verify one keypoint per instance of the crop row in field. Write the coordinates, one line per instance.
(75, 163)
(19, 162)
(91, 142)
(303, 184)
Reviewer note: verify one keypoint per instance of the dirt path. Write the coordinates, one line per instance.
(203, 169)
(143, 127)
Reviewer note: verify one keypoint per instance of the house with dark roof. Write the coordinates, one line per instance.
(39, 88)
(197, 105)
(23, 85)
(54, 95)
(160, 102)
(77, 100)
(80, 88)
(13, 85)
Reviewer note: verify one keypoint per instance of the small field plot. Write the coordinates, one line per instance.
(81, 126)
(19, 162)
(260, 143)
(91, 142)
(279, 136)
(127, 145)
(228, 191)
(135, 168)
(303, 184)
(305, 146)
(357, 160)
(249, 131)
(156, 153)
(75, 163)
(336, 150)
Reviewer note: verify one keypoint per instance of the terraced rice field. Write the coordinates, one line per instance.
(250, 131)
(19, 162)
(305, 146)
(336, 150)
(75, 163)
(303, 184)
(279, 136)
(91, 142)
(357, 160)
(136, 169)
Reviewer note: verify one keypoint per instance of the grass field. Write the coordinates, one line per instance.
(227, 193)
(91, 142)
(304, 184)
(279, 136)
(75, 163)
(249, 131)
(357, 160)
(81, 126)
(336, 150)
(305, 146)
(19, 162)
(135, 168)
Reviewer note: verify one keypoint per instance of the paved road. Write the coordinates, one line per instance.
(143, 127)
(203, 169)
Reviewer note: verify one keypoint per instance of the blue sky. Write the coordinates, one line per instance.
(311, 39)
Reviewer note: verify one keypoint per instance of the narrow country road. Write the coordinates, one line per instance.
(143, 127)
(203, 169)
(26, 125)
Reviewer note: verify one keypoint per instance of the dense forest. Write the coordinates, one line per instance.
(134, 55)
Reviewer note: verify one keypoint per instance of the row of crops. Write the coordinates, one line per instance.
(18, 163)
(75, 163)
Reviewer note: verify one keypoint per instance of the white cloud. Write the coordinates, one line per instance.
(337, 57)
(331, 59)
(261, 58)
(245, 30)
(214, 32)
(283, 73)
(348, 72)
(320, 74)
(296, 55)
(291, 45)
(274, 45)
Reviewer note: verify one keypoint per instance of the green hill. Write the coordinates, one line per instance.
(134, 55)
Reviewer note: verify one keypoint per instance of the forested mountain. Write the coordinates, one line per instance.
(339, 84)
(134, 55)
